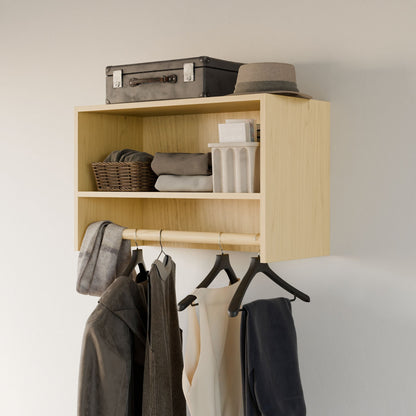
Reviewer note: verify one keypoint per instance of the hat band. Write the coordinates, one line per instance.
(259, 86)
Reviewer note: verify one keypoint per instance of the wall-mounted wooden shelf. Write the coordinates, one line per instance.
(291, 212)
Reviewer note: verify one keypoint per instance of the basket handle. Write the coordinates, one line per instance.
(134, 82)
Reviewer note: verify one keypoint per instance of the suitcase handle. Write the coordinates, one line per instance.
(134, 82)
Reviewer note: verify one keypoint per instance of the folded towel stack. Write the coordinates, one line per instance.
(128, 155)
(183, 172)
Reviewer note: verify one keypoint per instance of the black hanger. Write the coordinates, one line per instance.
(136, 260)
(257, 267)
(222, 262)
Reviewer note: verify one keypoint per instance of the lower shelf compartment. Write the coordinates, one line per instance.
(200, 215)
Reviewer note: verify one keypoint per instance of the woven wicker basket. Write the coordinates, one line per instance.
(124, 176)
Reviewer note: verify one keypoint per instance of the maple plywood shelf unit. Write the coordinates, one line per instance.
(290, 215)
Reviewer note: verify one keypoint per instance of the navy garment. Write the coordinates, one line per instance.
(270, 367)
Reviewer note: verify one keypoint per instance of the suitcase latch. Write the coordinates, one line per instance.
(188, 72)
(118, 78)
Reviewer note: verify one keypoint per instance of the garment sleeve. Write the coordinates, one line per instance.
(103, 378)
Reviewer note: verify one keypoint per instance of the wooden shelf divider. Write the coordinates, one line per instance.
(169, 195)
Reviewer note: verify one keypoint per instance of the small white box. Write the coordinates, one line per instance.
(252, 126)
(234, 132)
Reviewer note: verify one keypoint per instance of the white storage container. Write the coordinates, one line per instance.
(236, 167)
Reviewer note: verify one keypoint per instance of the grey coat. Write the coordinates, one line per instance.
(113, 352)
(162, 388)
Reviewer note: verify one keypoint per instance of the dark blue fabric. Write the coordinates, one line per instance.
(270, 367)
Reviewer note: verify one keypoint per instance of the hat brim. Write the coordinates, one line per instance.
(290, 93)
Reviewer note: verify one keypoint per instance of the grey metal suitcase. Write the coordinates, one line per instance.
(165, 80)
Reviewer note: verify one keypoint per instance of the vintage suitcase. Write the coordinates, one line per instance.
(165, 80)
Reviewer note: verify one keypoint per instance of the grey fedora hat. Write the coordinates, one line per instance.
(267, 77)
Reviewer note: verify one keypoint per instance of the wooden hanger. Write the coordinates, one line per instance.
(255, 268)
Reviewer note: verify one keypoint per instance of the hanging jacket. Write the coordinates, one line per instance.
(113, 352)
(162, 387)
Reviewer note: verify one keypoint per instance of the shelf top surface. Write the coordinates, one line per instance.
(186, 105)
(168, 195)
(248, 102)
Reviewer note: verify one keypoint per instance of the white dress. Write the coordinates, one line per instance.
(212, 368)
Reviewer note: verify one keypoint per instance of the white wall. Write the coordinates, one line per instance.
(357, 338)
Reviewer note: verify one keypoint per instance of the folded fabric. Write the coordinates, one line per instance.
(182, 164)
(103, 256)
(172, 183)
(128, 155)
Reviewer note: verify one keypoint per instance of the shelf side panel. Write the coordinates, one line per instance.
(100, 134)
(295, 215)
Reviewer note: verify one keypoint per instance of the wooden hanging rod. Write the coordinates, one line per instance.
(192, 237)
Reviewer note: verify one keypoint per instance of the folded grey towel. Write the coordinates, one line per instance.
(182, 164)
(103, 256)
(135, 156)
(172, 183)
(128, 155)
